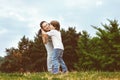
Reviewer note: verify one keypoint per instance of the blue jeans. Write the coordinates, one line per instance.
(57, 61)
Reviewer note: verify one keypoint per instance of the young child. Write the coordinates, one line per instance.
(57, 59)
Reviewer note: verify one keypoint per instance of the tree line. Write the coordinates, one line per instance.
(82, 52)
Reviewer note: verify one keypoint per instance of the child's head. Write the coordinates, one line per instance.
(55, 24)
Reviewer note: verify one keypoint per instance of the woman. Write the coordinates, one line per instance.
(48, 44)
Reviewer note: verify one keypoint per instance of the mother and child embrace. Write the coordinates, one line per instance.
(52, 40)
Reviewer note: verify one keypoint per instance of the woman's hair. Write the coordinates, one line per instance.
(55, 24)
(40, 32)
(42, 26)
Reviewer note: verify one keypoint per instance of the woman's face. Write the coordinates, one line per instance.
(46, 26)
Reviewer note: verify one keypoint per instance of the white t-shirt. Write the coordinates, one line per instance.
(56, 39)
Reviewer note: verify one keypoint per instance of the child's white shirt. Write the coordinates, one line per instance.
(56, 39)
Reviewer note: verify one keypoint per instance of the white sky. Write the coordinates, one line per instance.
(22, 17)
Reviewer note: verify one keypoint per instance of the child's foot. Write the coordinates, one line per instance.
(55, 71)
(65, 72)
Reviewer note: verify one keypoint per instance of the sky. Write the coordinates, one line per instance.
(22, 17)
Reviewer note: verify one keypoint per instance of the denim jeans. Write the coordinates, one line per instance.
(57, 61)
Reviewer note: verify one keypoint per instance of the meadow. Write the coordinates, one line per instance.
(88, 75)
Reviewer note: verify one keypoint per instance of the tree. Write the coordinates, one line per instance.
(70, 39)
(110, 45)
(24, 47)
(38, 56)
(101, 52)
(84, 52)
(11, 61)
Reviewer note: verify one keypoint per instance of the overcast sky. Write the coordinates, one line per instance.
(22, 17)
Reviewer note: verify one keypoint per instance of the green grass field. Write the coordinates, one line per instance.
(90, 75)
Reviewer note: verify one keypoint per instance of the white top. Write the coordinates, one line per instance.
(49, 46)
(56, 39)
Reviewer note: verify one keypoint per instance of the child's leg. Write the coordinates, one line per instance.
(62, 63)
(55, 62)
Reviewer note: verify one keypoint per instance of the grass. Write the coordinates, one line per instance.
(90, 75)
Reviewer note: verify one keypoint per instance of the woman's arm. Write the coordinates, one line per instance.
(44, 37)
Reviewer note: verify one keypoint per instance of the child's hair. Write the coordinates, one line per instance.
(55, 24)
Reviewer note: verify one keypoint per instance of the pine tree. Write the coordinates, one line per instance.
(70, 39)
(38, 56)
(11, 61)
(110, 45)
(84, 52)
